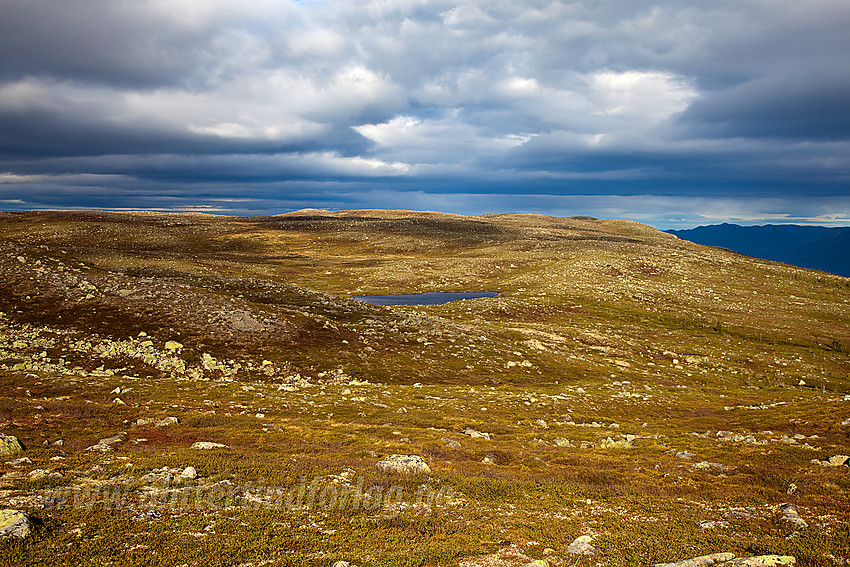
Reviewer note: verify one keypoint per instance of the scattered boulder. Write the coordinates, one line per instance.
(475, 434)
(790, 518)
(609, 443)
(207, 445)
(189, 473)
(404, 464)
(687, 455)
(562, 442)
(9, 445)
(701, 561)
(38, 474)
(20, 461)
(14, 524)
(100, 448)
(834, 461)
(451, 443)
(166, 421)
(113, 439)
(537, 563)
(581, 546)
(173, 345)
(763, 561)
(541, 423)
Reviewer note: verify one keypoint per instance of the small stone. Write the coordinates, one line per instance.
(562, 442)
(117, 390)
(451, 443)
(541, 423)
(142, 422)
(189, 473)
(9, 445)
(685, 455)
(489, 460)
(99, 448)
(476, 434)
(19, 462)
(404, 464)
(118, 402)
(207, 445)
(537, 563)
(581, 546)
(14, 524)
(166, 421)
(173, 345)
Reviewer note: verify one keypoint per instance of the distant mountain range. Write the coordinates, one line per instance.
(816, 247)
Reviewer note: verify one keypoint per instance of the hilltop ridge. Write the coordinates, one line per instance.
(625, 385)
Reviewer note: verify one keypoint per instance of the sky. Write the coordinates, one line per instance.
(670, 112)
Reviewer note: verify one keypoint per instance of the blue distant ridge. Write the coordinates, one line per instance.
(816, 247)
(429, 298)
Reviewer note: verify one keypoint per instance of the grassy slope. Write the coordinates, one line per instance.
(606, 321)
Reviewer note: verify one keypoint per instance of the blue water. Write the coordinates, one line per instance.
(429, 298)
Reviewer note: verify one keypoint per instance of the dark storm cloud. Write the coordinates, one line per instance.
(277, 104)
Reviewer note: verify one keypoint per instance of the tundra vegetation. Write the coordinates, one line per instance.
(183, 389)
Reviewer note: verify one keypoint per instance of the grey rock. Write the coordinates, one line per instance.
(451, 443)
(537, 563)
(476, 434)
(701, 561)
(100, 448)
(189, 473)
(9, 445)
(404, 464)
(763, 561)
(687, 455)
(166, 421)
(790, 518)
(113, 439)
(581, 546)
(14, 524)
(207, 445)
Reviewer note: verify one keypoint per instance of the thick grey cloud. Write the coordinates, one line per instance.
(274, 104)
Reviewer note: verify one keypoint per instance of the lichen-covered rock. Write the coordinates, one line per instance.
(9, 445)
(763, 561)
(207, 445)
(476, 434)
(404, 464)
(14, 523)
(701, 561)
(113, 439)
(791, 518)
(537, 563)
(166, 421)
(581, 546)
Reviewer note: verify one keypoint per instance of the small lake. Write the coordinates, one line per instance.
(429, 298)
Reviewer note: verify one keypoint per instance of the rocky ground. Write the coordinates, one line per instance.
(187, 389)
